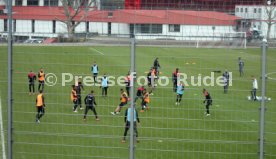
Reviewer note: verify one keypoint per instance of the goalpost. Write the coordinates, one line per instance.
(223, 40)
(2, 136)
(236, 39)
(203, 39)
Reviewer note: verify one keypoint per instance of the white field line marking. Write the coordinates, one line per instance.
(2, 132)
(97, 51)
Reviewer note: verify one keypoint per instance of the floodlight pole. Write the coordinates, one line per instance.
(263, 108)
(132, 87)
(10, 39)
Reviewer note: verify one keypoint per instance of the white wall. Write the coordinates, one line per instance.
(187, 32)
(250, 11)
(59, 3)
(264, 25)
(24, 2)
(43, 26)
(272, 31)
(256, 16)
(190, 32)
(120, 28)
(2, 2)
(60, 27)
(1, 25)
(40, 2)
(81, 28)
(98, 27)
(195, 30)
(47, 27)
(24, 26)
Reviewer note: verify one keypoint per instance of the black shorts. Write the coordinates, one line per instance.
(122, 104)
(209, 102)
(90, 107)
(41, 82)
(128, 124)
(149, 82)
(95, 74)
(144, 103)
(75, 101)
(40, 109)
(138, 94)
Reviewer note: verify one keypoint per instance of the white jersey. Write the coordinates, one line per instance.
(255, 84)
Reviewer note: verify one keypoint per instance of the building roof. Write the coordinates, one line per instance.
(127, 16)
(214, 5)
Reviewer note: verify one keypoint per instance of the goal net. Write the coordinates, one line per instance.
(235, 40)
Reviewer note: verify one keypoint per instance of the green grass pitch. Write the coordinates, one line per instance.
(166, 131)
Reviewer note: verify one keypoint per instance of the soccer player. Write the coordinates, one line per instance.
(95, 71)
(123, 99)
(90, 103)
(127, 82)
(208, 101)
(145, 101)
(41, 79)
(79, 87)
(139, 93)
(40, 105)
(241, 65)
(32, 78)
(180, 92)
(154, 75)
(151, 79)
(156, 66)
(254, 88)
(104, 85)
(74, 98)
(226, 77)
(174, 79)
(127, 122)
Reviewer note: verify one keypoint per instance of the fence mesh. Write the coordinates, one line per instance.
(202, 39)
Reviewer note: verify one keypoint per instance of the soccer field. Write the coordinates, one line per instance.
(166, 130)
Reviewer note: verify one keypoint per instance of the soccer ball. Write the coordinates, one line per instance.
(269, 99)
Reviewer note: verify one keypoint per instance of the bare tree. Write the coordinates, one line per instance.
(270, 10)
(75, 12)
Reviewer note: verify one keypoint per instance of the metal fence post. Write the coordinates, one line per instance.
(262, 108)
(10, 41)
(132, 87)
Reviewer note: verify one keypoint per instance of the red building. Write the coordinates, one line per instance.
(211, 5)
